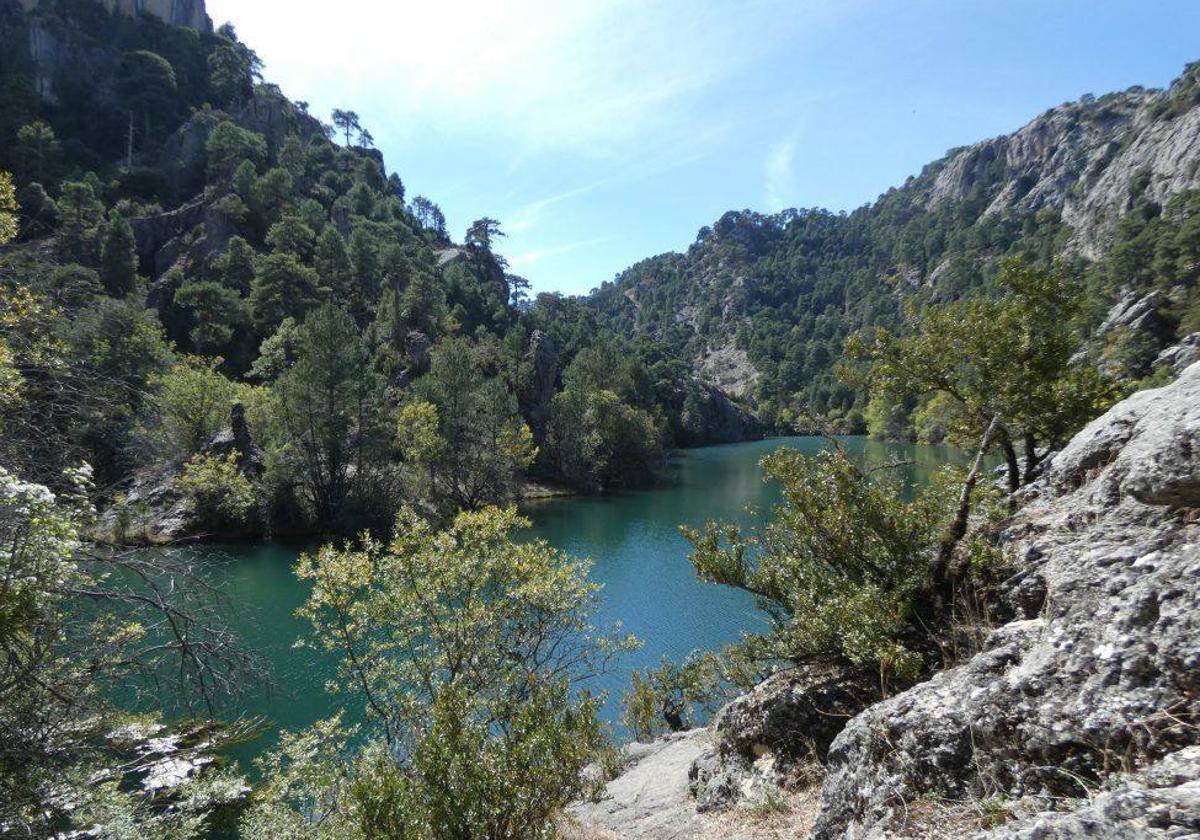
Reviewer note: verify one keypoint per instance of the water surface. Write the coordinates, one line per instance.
(633, 539)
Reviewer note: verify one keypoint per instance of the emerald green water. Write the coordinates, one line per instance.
(633, 539)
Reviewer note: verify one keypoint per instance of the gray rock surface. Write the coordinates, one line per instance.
(650, 799)
(764, 735)
(188, 13)
(1105, 675)
(1178, 357)
(1162, 802)
(1090, 160)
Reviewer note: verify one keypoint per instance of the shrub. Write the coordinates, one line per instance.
(837, 569)
(223, 498)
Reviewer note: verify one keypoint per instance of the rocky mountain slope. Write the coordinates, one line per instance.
(763, 303)
(188, 13)
(1080, 717)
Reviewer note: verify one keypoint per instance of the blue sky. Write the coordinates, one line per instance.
(601, 132)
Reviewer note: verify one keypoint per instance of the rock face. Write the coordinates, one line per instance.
(188, 13)
(766, 734)
(1180, 356)
(1161, 802)
(1099, 671)
(650, 800)
(1089, 159)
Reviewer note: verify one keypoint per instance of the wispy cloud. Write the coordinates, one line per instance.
(527, 216)
(530, 258)
(594, 79)
(779, 175)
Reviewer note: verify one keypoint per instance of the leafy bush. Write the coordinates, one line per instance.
(462, 644)
(222, 496)
(672, 696)
(837, 570)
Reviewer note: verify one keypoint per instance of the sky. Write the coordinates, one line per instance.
(602, 132)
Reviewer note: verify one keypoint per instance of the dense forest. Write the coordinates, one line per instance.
(188, 234)
(221, 317)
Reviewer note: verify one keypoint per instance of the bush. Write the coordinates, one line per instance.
(837, 570)
(671, 697)
(223, 498)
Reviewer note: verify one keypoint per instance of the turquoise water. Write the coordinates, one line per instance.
(633, 539)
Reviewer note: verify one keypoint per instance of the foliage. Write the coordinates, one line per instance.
(463, 645)
(8, 209)
(222, 496)
(1008, 358)
(190, 404)
(672, 696)
(118, 258)
(837, 570)
(465, 432)
(328, 404)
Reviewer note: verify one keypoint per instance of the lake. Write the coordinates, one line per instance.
(633, 538)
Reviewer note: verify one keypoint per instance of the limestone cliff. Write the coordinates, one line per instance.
(1089, 160)
(189, 13)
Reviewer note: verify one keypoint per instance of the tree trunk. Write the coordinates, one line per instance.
(1031, 458)
(129, 144)
(1010, 460)
(942, 578)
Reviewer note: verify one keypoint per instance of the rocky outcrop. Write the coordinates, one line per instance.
(1098, 673)
(1160, 803)
(188, 13)
(777, 730)
(1178, 357)
(650, 800)
(1090, 160)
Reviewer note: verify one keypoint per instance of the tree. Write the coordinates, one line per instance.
(190, 403)
(347, 122)
(118, 258)
(229, 146)
(463, 646)
(147, 85)
(291, 235)
(332, 263)
(837, 569)
(282, 287)
(465, 432)
(218, 311)
(236, 265)
(597, 441)
(1008, 359)
(429, 216)
(233, 68)
(82, 215)
(328, 401)
(482, 234)
(38, 152)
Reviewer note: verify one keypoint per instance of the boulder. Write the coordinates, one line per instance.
(650, 800)
(1100, 671)
(769, 733)
(1178, 357)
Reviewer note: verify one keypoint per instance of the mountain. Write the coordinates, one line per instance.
(761, 304)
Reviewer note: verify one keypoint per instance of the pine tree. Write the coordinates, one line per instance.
(118, 258)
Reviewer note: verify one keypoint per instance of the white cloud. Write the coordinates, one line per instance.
(779, 175)
(530, 258)
(592, 78)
